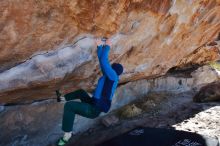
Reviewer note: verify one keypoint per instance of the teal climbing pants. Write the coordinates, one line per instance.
(85, 108)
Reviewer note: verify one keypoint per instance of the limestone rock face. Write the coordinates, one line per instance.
(28, 27)
(40, 123)
(49, 44)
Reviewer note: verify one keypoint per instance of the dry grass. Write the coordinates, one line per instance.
(142, 105)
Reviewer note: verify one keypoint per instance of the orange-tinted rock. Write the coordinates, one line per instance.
(200, 56)
(49, 44)
(27, 27)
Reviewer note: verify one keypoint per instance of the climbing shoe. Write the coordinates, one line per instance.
(61, 142)
(58, 96)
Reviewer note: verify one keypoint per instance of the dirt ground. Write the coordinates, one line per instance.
(172, 111)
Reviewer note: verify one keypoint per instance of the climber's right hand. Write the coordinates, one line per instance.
(98, 42)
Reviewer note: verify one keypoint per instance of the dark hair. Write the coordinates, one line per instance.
(118, 68)
(104, 39)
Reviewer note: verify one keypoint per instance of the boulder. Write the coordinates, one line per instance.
(210, 92)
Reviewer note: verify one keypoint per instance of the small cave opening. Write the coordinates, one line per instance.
(183, 71)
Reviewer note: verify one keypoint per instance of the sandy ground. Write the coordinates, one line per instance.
(172, 111)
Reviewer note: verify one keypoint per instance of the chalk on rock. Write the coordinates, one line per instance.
(110, 120)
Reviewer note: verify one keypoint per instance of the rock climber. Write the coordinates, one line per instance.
(91, 107)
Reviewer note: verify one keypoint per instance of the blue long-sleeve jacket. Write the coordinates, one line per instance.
(107, 83)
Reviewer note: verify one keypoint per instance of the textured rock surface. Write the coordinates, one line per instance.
(49, 44)
(205, 122)
(30, 124)
(45, 45)
(39, 123)
(210, 92)
(172, 111)
(204, 75)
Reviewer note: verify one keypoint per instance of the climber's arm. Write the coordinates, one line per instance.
(105, 64)
(99, 50)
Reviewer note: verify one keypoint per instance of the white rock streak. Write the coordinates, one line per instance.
(47, 66)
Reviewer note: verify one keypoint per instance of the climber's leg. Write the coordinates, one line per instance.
(72, 108)
(78, 94)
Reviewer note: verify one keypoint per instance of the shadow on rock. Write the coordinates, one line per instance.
(210, 92)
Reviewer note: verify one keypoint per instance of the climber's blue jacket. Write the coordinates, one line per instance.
(107, 83)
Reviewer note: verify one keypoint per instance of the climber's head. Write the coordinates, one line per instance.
(118, 68)
(104, 39)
